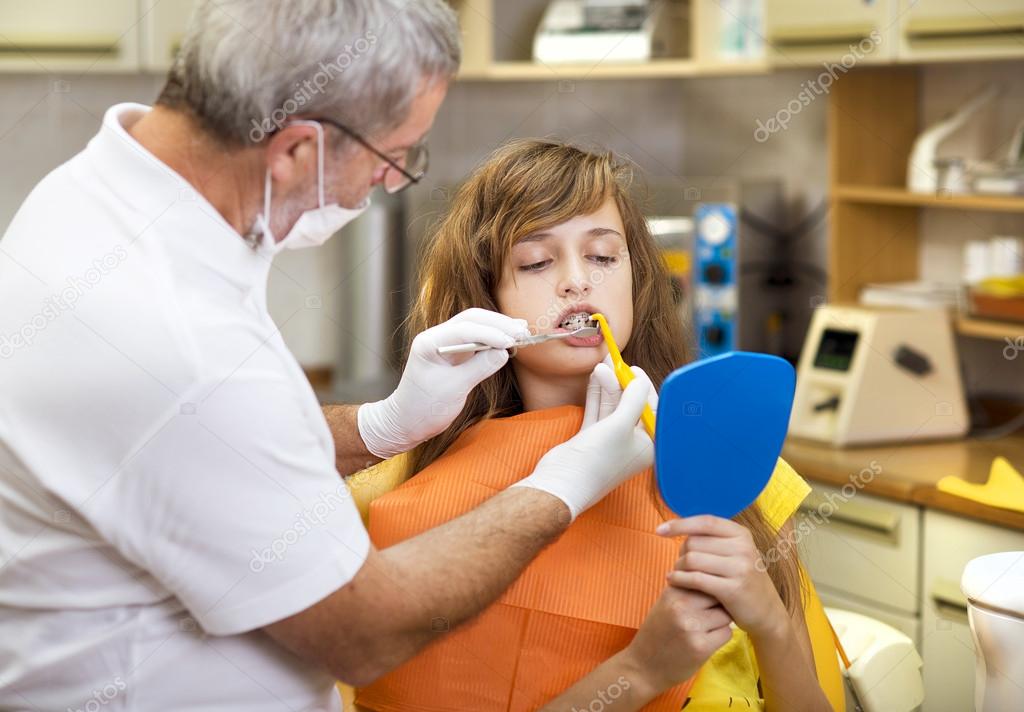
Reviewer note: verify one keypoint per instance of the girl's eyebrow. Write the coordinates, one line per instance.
(598, 231)
(593, 232)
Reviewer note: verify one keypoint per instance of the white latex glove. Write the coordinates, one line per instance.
(433, 388)
(609, 449)
(603, 392)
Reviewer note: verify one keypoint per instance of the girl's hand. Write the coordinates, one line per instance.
(681, 631)
(719, 558)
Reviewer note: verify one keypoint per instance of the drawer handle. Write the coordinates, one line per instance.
(102, 46)
(948, 596)
(820, 35)
(871, 518)
(953, 28)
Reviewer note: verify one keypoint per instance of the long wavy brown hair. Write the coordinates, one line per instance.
(524, 187)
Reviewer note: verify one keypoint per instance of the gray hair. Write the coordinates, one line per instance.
(246, 66)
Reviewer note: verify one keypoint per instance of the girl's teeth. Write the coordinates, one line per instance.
(576, 321)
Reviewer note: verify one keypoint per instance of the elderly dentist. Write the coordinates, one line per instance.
(174, 533)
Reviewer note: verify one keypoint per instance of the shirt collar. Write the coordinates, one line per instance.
(148, 185)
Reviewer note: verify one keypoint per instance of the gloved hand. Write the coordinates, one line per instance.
(607, 451)
(604, 392)
(433, 388)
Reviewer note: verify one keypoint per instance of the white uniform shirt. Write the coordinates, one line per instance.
(167, 480)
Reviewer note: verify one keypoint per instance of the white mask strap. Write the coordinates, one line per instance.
(319, 155)
(319, 171)
(266, 197)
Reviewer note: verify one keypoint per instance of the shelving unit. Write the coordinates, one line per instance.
(873, 195)
(873, 232)
(485, 59)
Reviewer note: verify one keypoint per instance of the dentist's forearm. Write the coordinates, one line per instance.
(350, 453)
(409, 594)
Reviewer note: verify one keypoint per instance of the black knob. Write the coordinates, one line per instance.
(912, 360)
(714, 335)
(714, 273)
(831, 403)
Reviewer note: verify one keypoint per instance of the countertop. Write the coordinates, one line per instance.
(908, 473)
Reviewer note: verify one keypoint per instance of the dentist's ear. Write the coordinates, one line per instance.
(292, 155)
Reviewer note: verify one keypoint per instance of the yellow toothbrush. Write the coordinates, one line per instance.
(622, 370)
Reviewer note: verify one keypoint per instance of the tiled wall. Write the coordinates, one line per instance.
(673, 129)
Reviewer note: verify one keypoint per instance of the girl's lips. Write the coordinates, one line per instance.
(584, 341)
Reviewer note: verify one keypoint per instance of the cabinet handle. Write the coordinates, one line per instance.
(816, 36)
(966, 28)
(857, 515)
(103, 46)
(948, 596)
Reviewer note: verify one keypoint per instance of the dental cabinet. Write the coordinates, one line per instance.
(878, 539)
(101, 36)
(57, 35)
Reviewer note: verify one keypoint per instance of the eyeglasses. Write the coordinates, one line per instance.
(396, 178)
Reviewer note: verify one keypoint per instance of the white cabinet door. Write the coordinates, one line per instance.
(163, 27)
(69, 35)
(862, 546)
(960, 29)
(838, 32)
(946, 643)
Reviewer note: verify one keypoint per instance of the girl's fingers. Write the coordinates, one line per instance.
(719, 637)
(716, 618)
(699, 581)
(705, 524)
(710, 563)
(695, 600)
(710, 545)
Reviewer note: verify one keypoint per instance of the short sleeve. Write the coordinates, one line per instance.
(233, 503)
(783, 494)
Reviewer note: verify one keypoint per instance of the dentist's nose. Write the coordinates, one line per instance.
(379, 173)
(574, 283)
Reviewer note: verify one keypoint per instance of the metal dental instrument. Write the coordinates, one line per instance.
(525, 341)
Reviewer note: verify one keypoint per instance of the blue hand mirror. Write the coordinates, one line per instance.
(720, 428)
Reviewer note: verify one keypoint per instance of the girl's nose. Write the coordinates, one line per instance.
(574, 283)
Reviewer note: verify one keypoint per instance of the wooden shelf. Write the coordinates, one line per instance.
(989, 328)
(897, 196)
(659, 68)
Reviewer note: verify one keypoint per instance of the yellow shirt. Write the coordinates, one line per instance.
(729, 679)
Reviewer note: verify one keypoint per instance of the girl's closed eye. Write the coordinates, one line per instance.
(605, 259)
(535, 266)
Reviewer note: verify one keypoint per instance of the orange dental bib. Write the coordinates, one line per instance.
(577, 604)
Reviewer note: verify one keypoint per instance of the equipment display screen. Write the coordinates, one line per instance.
(836, 349)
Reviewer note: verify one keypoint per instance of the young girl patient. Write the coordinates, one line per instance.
(544, 231)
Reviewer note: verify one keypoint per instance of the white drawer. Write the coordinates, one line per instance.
(946, 643)
(69, 35)
(862, 547)
(803, 32)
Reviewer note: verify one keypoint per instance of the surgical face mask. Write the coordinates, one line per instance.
(314, 227)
